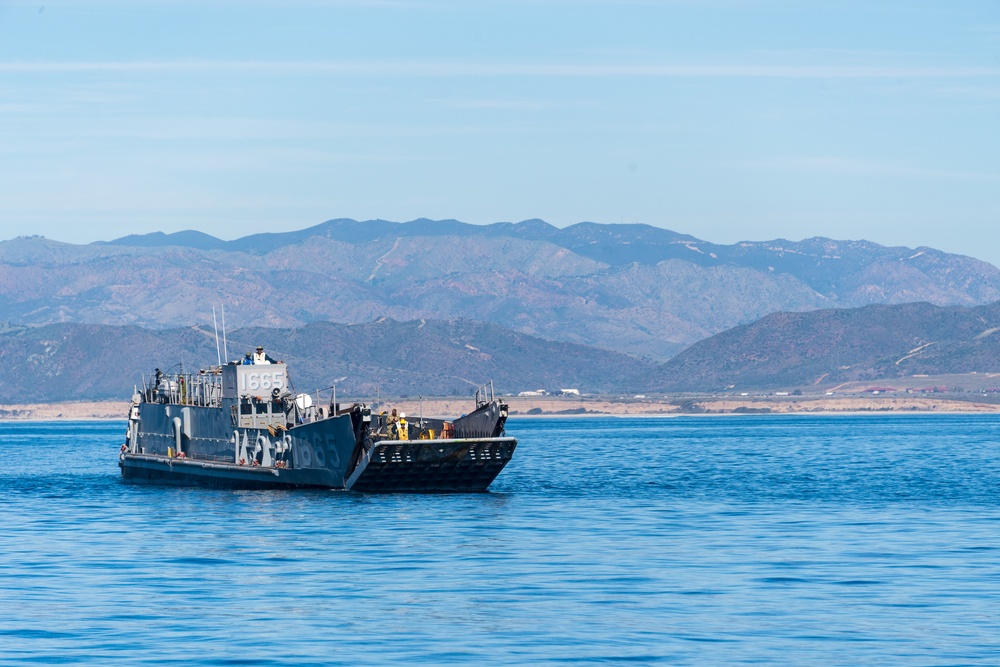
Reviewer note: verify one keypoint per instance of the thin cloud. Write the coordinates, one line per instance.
(169, 128)
(410, 68)
(866, 167)
(501, 104)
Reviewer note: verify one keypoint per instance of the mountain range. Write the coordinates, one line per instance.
(636, 289)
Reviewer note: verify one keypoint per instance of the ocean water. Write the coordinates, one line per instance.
(784, 540)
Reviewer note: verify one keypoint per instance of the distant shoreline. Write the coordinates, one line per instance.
(576, 407)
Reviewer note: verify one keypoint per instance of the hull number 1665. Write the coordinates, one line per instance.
(266, 381)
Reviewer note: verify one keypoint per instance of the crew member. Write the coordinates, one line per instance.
(154, 390)
(401, 427)
(260, 358)
(390, 425)
(247, 359)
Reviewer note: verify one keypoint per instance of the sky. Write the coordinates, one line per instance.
(726, 119)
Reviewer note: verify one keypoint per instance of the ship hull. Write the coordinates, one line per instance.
(460, 465)
(466, 465)
(152, 469)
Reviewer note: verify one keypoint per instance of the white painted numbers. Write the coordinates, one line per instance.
(258, 382)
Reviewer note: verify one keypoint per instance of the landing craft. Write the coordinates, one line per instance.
(240, 426)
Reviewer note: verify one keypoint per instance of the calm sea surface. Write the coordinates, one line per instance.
(833, 540)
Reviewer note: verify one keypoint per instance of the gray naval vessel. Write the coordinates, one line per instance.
(241, 426)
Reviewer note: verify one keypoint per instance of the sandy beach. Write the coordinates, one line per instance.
(71, 411)
(573, 406)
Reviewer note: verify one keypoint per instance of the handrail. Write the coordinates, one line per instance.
(484, 395)
(199, 389)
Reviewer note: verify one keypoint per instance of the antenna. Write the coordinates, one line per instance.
(216, 323)
(225, 348)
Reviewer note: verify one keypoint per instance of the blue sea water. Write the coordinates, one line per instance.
(786, 540)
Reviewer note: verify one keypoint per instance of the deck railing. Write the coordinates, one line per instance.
(202, 389)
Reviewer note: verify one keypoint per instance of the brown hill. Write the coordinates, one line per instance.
(829, 347)
(60, 362)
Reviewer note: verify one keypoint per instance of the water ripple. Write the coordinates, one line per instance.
(689, 541)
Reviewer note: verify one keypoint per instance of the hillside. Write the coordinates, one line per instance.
(632, 288)
(60, 362)
(833, 346)
(819, 349)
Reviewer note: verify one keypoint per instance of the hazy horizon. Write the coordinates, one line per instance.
(727, 120)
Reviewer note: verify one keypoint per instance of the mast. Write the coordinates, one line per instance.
(225, 348)
(216, 323)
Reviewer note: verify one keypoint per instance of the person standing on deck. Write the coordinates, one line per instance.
(260, 358)
(390, 425)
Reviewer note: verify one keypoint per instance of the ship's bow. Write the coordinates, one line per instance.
(432, 466)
